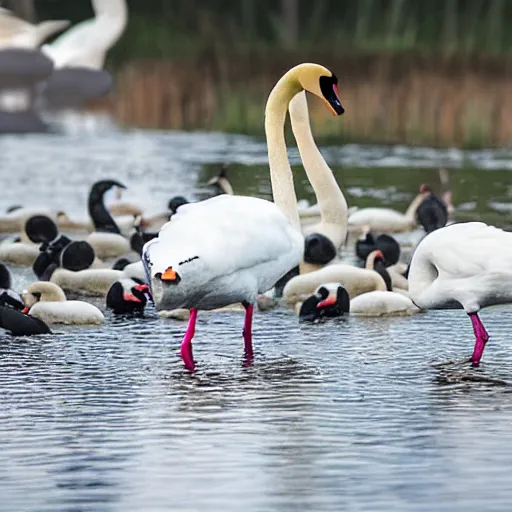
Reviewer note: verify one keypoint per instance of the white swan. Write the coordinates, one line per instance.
(356, 281)
(18, 33)
(47, 302)
(87, 43)
(386, 220)
(379, 303)
(331, 202)
(229, 248)
(467, 263)
(332, 300)
(93, 282)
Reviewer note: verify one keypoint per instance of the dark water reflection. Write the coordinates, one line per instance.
(346, 415)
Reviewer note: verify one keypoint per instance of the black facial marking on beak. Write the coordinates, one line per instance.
(329, 88)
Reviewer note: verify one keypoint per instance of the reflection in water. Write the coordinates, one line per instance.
(349, 414)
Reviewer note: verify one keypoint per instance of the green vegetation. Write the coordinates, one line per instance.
(174, 28)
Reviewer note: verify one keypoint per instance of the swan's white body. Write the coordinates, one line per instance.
(379, 303)
(108, 245)
(225, 249)
(93, 282)
(72, 312)
(17, 33)
(386, 220)
(18, 253)
(135, 270)
(468, 263)
(355, 280)
(14, 221)
(87, 43)
(47, 301)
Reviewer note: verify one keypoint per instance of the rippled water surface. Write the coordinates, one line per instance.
(347, 415)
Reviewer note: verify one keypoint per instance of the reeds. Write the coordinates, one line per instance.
(401, 98)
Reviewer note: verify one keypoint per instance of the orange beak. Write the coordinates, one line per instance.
(169, 275)
(329, 301)
(25, 310)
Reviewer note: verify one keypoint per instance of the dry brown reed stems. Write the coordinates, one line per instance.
(403, 98)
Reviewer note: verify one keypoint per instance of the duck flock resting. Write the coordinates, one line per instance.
(231, 251)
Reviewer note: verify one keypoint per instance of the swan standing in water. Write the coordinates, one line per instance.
(229, 249)
(468, 263)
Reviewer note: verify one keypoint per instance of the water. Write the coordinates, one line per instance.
(346, 415)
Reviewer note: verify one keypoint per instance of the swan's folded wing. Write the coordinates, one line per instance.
(222, 235)
(464, 250)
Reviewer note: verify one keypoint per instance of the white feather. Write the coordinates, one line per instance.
(226, 249)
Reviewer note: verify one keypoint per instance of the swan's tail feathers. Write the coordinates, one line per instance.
(48, 28)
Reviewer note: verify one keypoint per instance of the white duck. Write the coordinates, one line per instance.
(87, 43)
(470, 264)
(229, 249)
(387, 220)
(47, 302)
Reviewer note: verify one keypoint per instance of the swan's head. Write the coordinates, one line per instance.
(41, 292)
(321, 82)
(127, 296)
(103, 186)
(41, 229)
(318, 249)
(176, 202)
(329, 300)
(373, 258)
(425, 189)
(77, 255)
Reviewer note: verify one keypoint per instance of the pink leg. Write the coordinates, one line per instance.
(481, 338)
(249, 308)
(186, 345)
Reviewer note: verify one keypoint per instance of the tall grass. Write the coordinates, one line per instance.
(401, 98)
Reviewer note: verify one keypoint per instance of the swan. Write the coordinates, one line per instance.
(356, 281)
(18, 33)
(393, 279)
(432, 213)
(470, 264)
(221, 183)
(107, 240)
(47, 302)
(13, 221)
(127, 296)
(8, 297)
(86, 43)
(92, 281)
(389, 247)
(327, 236)
(332, 300)
(379, 303)
(228, 249)
(387, 220)
(329, 300)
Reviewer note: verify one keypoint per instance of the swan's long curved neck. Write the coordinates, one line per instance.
(281, 175)
(422, 277)
(330, 198)
(413, 207)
